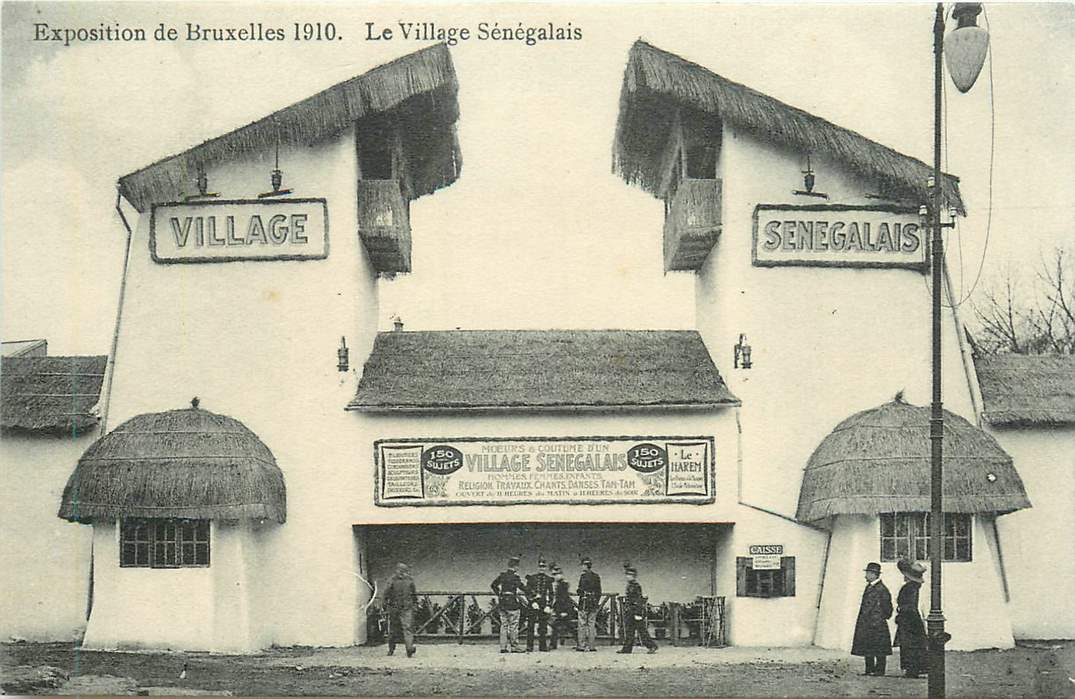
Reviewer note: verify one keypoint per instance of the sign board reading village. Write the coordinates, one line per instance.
(833, 235)
(509, 471)
(228, 231)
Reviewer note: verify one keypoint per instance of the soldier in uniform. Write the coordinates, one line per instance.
(634, 616)
(511, 598)
(589, 590)
(561, 605)
(539, 589)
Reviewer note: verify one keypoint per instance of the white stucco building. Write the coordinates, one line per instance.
(320, 452)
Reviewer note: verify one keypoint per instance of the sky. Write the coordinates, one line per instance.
(537, 232)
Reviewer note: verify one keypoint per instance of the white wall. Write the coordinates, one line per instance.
(205, 608)
(827, 342)
(257, 341)
(1036, 543)
(44, 560)
(973, 599)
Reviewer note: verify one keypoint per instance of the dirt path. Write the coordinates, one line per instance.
(1038, 670)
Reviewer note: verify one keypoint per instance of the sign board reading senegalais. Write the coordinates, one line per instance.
(503, 471)
(834, 235)
(233, 230)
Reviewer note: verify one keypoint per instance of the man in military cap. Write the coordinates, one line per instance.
(400, 598)
(539, 590)
(561, 606)
(511, 598)
(634, 614)
(589, 590)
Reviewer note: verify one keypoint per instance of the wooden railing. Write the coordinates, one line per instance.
(461, 616)
(384, 225)
(692, 223)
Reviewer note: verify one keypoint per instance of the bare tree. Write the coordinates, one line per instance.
(1041, 324)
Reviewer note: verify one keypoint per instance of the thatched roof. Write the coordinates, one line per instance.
(1027, 390)
(55, 394)
(878, 461)
(656, 84)
(539, 370)
(187, 463)
(418, 91)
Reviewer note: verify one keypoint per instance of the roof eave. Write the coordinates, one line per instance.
(607, 407)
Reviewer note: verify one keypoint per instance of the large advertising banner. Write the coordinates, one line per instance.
(510, 471)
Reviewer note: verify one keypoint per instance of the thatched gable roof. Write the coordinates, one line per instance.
(656, 84)
(187, 463)
(539, 370)
(54, 394)
(1021, 390)
(878, 460)
(418, 91)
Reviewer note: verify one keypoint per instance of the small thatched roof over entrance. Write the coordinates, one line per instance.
(539, 370)
(418, 91)
(878, 461)
(1027, 390)
(50, 394)
(182, 463)
(657, 84)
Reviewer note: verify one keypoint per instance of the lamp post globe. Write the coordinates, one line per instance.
(965, 46)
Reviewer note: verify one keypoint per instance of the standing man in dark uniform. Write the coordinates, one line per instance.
(872, 640)
(400, 598)
(634, 607)
(561, 605)
(539, 590)
(589, 590)
(511, 598)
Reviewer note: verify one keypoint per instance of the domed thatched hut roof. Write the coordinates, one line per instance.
(878, 461)
(187, 463)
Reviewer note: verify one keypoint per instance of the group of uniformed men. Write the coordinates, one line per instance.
(543, 603)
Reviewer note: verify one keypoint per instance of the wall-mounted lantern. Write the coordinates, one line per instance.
(202, 182)
(741, 357)
(808, 183)
(342, 356)
(276, 178)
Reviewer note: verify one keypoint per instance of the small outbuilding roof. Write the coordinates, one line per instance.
(539, 370)
(1022, 390)
(657, 84)
(417, 90)
(878, 460)
(56, 394)
(188, 463)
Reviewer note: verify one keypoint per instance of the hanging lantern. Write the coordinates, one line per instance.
(966, 45)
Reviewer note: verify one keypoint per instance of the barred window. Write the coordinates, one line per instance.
(906, 535)
(164, 543)
(765, 583)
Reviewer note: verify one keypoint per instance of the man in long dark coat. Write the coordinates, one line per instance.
(872, 640)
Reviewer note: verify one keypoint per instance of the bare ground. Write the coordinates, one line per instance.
(1040, 669)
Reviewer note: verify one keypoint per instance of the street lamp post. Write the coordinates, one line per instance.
(965, 56)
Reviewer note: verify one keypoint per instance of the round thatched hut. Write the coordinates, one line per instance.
(868, 482)
(175, 490)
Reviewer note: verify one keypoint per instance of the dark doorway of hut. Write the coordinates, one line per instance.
(453, 565)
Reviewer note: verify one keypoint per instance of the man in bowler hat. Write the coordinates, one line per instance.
(872, 640)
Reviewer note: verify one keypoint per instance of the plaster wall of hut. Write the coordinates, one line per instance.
(259, 340)
(974, 603)
(48, 422)
(1029, 407)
